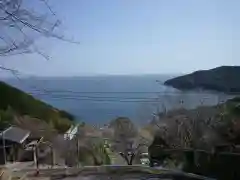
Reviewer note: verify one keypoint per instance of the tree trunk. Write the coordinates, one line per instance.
(131, 159)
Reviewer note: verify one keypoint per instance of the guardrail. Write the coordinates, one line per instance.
(213, 151)
(216, 163)
(115, 171)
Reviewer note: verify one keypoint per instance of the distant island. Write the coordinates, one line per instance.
(223, 79)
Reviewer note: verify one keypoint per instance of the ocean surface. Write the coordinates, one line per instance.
(99, 99)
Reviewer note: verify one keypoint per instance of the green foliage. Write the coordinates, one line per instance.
(24, 104)
(95, 155)
(101, 151)
(6, 117)
(61, 124)
(66, 115)
(229, 125)
(233, 106)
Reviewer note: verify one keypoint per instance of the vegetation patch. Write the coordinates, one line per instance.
(14, 103)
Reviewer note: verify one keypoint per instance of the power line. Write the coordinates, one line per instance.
(74, 96)
(100, 100)
(99, 97)
(94, 99)
(118, 96)
(177, 92)
(35, 90)
(168, 92)
(82, 98)
(8, 69)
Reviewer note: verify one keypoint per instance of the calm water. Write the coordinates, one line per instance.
(97, 100)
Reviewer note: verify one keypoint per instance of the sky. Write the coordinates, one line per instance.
(137, 37)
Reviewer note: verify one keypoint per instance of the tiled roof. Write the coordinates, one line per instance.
(15, 134)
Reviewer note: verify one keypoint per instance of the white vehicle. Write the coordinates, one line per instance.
(144, 159)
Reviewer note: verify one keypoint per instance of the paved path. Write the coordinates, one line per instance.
(116, 159)
(111, 173)
(134, 176)
(19, 165)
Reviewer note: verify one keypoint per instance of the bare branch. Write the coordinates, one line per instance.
(8, 69)
(47, 5)
(18, 24)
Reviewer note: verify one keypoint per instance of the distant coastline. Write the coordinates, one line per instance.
(86, 97)
(221, 79)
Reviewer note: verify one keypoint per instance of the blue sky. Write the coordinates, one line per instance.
(138, 37)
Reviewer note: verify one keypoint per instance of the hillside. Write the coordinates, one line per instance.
(223, 79)
(14, 102)
(217, 124)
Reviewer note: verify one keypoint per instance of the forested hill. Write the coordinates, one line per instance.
(16, 102)
(224, 79)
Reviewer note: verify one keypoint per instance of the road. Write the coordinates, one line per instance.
(116, 159)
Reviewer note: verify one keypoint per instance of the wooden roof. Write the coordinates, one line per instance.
(15, 134)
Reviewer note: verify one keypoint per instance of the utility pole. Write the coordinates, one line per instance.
(4, 148)
(35, 148)
(52, 156)
(78, 151)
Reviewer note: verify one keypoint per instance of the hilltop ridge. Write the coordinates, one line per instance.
(224, 79)
(14, 102)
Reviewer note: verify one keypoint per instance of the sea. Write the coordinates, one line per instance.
(99, 99)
